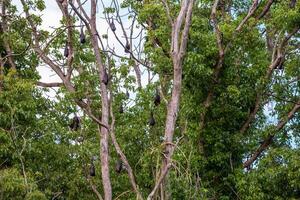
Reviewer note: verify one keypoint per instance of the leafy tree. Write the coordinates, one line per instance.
(175, 100)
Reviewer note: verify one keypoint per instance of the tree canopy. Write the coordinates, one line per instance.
(154, 99)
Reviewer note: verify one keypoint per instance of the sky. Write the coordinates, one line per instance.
(51, 17)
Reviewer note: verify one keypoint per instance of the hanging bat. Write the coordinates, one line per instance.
(82, 36)
(119, 166)
(157, 98)
(75, 125)
(112, 26)
(151, 120)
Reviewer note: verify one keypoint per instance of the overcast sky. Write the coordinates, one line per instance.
(51, 17)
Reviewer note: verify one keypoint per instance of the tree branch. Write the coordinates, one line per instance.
(159, 181)
(270, 137)
(42, 84)
(268, 75)
(173, 106)
(122, 155)
(103, 132)
(251, 11)
(265, 10)
(7, 47)
(166, 6)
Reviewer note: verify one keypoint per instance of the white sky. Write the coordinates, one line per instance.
(51, 17)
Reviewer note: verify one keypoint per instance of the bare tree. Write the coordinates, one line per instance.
(178, 50)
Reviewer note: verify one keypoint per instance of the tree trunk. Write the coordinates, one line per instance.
(104, 133)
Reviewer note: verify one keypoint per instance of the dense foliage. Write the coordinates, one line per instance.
(41, 157)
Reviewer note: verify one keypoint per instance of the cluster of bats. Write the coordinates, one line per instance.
(113, 28)
(82, 39)
(118, 168)
(75, 124)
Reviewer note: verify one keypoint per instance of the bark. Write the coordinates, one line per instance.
(94, 189)
(104, 132)
(178, 50)
(251, 11)
(90, 23)
(269, 41)
(138, 75)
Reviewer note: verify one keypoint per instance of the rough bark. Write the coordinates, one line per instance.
(138, 74)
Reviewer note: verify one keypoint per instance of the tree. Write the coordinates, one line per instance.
(226, 73)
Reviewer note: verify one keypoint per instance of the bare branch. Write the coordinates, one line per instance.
(251, 11)
(37, 48)
(159, 181)
(177, 27)
(93, 186)
(268, 75)
(138, 74)
(269, 139)
(82, 10)
(217, 32)
(265, 10)
(49, 84)
(173, 106)
(122, 155)
(103, 132)
(69, 24)
(85, 21)
(187, 25)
